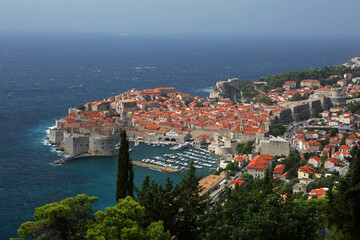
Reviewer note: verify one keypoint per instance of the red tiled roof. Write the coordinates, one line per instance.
(237, 181)
(260, 161)
(320, 192)
(306, 169)
(279, 168)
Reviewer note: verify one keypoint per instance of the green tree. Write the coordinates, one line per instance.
(320, 74)
(159, 202)
(125, 221)
(278, 130)
(354, 107)
(125, 173)
(297, 97)
(67, 219)
(353, 151)
(239, 147)
(81, 108)
(267, 184)
(343, 210)
(245, 148)
(191, 206)
(292, 160)
(322, 182)
(251, 183)
(292, 163)
(333, 132)
(343, 140)
(263, 98)
(251, 215)
(291, 173)
(181, 207)
(248, 147)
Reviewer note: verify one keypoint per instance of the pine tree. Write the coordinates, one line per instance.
(192, 206)
(131, 180)
(355, 178)
(267, 184)
(180, 207)
(125, 174)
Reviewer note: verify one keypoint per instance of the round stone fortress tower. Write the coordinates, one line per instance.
(337, 97)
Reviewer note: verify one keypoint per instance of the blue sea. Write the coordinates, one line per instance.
(42, 75)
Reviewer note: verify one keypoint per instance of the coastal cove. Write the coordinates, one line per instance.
(41, 77)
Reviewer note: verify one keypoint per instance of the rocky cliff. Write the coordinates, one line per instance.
(226, 89)
(234, 89)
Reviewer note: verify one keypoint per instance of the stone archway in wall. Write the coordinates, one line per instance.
(173, 140)
(160, 139)
(167, 139)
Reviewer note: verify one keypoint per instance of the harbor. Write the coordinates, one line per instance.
(161, 157)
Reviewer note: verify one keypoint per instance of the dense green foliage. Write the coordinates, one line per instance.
(343, 140)
(125, 221)
(354, 107)
(343, 209)
(292, 164)
(180, 207)
(67, 219)
(327, 182)
(248, 90)
(251, 182)
(263, 98)
(75, 218)
(297, 97)
(333, 132)
(232, 168)
(278, 130)
(262, 215)
(125, 173)
(81, 108)
(317, 73)
(245, 148)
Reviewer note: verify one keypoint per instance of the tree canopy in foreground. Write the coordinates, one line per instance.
(75, 218)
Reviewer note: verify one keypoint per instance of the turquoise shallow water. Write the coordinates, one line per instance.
(41, 76)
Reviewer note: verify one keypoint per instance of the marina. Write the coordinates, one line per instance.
(162, 157)
(180, 158)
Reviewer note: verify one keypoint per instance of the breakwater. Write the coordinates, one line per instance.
(135, 163)
(156, 167)
(71, 158)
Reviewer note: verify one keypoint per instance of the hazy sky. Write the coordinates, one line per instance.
(285, 17)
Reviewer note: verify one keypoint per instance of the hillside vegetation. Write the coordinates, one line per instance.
(317, 73)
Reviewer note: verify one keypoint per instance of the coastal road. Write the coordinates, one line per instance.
(214, 196)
